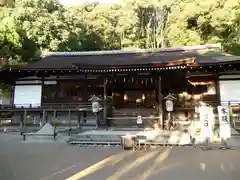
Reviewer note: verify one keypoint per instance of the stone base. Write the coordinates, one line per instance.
(128, 142)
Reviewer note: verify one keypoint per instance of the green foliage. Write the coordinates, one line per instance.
(10, 41)
(30, 27)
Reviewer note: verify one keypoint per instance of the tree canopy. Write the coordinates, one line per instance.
(31, 27)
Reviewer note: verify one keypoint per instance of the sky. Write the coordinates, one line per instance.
(75, 2)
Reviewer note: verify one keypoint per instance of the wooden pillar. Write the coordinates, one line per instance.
(218, 94)
(42, 93)
(25, 120)
(43, 119)
(79, 118)
(85, 90)
(54, 121)
(46, 116)
(105, 101)
(12, 95)
(69, 122)
(21, 119)
(160, 107)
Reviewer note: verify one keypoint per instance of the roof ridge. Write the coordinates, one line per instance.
(112, 52)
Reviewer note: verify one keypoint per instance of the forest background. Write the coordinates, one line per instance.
(29, 28)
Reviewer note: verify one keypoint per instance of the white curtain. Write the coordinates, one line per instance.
(27, 95)
(229, 91)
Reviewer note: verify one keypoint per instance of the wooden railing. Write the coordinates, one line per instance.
(58, 106)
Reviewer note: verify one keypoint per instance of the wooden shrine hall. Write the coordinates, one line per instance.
(130, 84)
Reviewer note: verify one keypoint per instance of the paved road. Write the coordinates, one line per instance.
(59, 161)
(168, 164)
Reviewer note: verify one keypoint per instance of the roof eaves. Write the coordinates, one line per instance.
(118, 52)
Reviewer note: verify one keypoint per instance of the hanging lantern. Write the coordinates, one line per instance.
(169, 102)
(125, 97)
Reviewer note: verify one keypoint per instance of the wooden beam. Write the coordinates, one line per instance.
(187, 61)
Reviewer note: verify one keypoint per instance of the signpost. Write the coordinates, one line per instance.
(95, 108)
(206, 122)
(224, 123)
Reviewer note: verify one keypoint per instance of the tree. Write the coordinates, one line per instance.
(42, 22)
(214, 21)
(7, 3)
(31, 27)
(10, 41)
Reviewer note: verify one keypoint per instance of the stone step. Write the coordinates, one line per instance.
(161, 138)
(96, 138)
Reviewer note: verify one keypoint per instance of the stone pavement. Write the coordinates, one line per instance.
(59, 161)
(167, 164)
(234, 132)
(234, 142)
(45, 160)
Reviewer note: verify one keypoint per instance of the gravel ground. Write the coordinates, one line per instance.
(49, 160)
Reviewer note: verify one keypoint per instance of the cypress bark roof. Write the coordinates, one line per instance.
(121, 58)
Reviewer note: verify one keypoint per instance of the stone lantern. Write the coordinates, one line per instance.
(95, 108)
(169, 106)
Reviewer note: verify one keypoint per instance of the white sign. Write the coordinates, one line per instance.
(169, 105)
(229, 90)
(139, 120)
(206, 121)
(95, 107)
(225, 129)
(26, 95)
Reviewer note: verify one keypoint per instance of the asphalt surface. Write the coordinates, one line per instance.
(58, 161)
